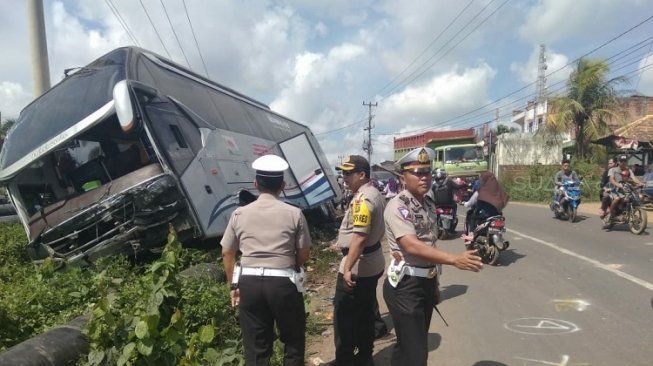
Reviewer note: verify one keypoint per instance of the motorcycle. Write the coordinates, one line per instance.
(488, 239)
(566, 205)
(629, 211)
(447, 221)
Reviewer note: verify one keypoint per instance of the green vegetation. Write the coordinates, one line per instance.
(591, 101)
(536, 183)
(142, 313)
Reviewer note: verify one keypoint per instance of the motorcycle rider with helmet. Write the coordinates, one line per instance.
(443, 188)
(617, 176)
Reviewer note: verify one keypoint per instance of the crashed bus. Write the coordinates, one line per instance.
(121, 148)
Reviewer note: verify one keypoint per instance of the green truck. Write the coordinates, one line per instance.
(466, 161)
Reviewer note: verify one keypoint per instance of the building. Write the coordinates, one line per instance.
(532, 117)
(432, 139)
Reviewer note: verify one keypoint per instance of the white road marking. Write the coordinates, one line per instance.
(594, 262)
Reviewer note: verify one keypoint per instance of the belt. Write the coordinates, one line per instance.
(268, 272)
(428, 272)
(366, 250)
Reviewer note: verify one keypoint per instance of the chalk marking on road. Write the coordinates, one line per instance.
(594, 262)
(564, 362)
(576, 304)
(541, 326)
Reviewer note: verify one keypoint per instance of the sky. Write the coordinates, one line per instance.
(423, 64)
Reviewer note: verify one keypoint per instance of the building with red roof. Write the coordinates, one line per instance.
(432, 139)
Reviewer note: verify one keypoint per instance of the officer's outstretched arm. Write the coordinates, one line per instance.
(467, 260)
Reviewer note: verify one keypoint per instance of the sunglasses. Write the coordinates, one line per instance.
(420, 174)
(347, 173)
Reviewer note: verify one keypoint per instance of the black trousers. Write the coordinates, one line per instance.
(264, 301)
(353, 321)
(411, 307)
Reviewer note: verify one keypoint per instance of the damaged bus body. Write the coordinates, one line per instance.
(103, 161)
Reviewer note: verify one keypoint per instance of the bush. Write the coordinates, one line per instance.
(536, 184)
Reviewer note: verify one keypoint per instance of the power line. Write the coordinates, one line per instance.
(195, 38)
(531, 84)
(406, 81)
(155, 30)
(122, 22)
(427, 47)
(175, 33)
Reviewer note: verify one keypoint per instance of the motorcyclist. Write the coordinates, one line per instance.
(563, 175)
(489, 200)
(443, 188)
(618, 176)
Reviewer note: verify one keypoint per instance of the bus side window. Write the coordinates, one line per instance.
(440, 155)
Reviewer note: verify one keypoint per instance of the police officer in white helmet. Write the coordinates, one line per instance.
(411, 288)
(274, 240)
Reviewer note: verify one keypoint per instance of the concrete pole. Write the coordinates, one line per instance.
(39, 47)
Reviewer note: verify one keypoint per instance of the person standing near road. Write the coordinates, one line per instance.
(359, 239)
(411, 288)
(267, 284)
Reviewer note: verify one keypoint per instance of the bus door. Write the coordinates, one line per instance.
(313, 186)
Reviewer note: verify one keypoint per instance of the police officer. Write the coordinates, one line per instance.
(359, 239)
(274, 240)
(411, 288)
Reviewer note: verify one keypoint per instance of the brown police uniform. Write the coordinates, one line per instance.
(354, 313)
(411, 302)
(268, 232)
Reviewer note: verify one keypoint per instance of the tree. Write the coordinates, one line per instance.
(6, 125)
(501, 129)
(591, 102)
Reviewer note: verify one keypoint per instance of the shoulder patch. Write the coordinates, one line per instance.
(404, 213)
(361, 213)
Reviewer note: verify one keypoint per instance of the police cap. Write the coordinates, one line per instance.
(354, 162)
(416, 160)
(270, 166)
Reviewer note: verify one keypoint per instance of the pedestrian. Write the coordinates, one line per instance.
(605, 187)
(274, 240)
(391, 188)
(359, 239)
(411, 288)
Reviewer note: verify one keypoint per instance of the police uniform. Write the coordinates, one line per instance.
(354, 309)
(412, 301)
(269, 234)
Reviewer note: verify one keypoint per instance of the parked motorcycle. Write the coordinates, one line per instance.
(629, 211)
(447, 221)
(566, 205)
(488, 239)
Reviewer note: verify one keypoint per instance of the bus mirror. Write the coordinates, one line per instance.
(123, 105)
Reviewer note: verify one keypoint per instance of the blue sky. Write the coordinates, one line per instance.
(318, 61)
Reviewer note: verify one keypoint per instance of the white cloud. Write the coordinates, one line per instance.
(12, 99)
(645, 85)
(553, 20)
(556, 70)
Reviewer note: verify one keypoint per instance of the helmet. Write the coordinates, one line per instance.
(440, 174)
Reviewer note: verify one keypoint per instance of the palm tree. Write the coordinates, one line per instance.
(591, 102)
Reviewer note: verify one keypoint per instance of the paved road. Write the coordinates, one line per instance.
(564, 294)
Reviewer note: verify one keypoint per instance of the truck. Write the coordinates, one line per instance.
(108, 158)
(465, 161)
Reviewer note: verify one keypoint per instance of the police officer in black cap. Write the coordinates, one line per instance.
(274, 240)
(411, 288)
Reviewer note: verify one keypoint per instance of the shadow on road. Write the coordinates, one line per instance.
(509, 257)
(489, 363)
(383, 355)
(451, 291)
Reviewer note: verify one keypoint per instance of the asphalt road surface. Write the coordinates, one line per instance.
(564, 294)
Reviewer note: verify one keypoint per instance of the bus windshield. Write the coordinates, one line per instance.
(463, 153)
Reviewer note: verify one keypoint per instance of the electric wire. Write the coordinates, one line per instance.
(197, 45)
(426, 48)
(175, 33)
(155, 30)
(122, 22)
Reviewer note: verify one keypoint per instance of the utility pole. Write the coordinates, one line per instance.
(39, 47)
(367, 145)
(541, 74)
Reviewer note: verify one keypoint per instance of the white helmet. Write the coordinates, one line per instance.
(440, 174)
